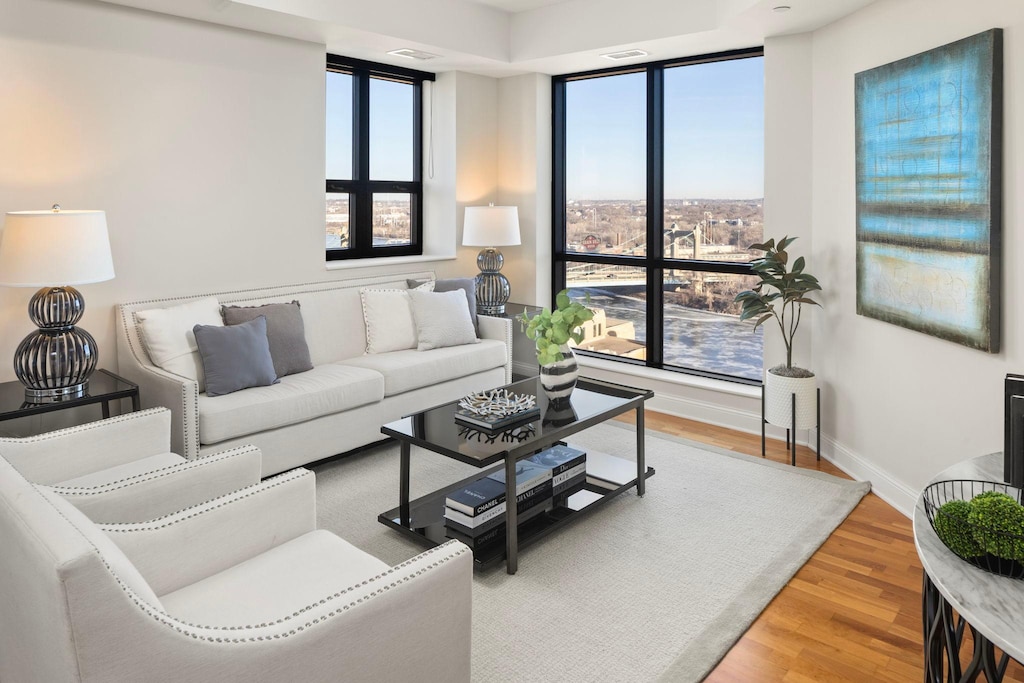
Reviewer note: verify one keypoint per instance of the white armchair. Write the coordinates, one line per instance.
(242, 588)
(121, 468)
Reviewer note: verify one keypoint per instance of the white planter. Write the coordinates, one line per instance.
(778, 400)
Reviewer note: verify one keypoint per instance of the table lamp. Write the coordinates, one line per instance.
(39, 249)
(489, 227)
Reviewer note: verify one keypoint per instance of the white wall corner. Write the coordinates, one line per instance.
(883, 484)
(524, 180)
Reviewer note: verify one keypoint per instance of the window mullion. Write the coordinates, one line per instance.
(558, 181)
(655, 214)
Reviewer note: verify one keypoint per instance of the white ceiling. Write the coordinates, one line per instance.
(518, 5)
(508, 37)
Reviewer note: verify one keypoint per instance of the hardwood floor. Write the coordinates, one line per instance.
(852, 613)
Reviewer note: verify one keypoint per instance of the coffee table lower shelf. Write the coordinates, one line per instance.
(427, 523)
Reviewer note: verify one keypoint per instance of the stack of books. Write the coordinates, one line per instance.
(568, 467)
(480, 506)
(475, 514)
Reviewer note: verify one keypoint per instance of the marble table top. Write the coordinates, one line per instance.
(992, 604)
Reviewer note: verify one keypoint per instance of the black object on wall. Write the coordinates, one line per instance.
(1013, 437)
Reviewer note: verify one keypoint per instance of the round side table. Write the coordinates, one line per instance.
(958, 596)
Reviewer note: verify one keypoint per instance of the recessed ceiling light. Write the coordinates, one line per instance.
(781, 8)
(625, 54)
(413, 54)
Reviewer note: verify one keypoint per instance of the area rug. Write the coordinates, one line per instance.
(645, 589)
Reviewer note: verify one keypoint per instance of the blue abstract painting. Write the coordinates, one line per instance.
(928, 136)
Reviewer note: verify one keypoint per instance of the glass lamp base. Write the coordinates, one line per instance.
(492, 288)
(55, 361)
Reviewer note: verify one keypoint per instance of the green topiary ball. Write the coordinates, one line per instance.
(998, 522)
(952, 527)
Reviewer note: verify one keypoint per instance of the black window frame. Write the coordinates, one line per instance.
(654, 262)
(361, 188)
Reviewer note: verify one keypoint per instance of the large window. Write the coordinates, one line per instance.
(374, 188)
(658, 195)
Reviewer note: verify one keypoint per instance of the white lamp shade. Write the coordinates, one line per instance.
(491, 226)
(53, 248)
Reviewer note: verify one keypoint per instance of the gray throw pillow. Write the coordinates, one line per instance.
(466, 284)
(235, 356)
(285, 332)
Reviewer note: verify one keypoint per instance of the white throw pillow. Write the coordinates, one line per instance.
(388, 317)
(442, 319)
(167, 334)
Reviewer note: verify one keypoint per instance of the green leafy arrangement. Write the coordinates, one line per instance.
(952, 527)
(550, 329)
(792, 289)
(991, 522)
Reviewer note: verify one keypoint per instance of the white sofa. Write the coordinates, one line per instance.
(338, 405)
(240, 588)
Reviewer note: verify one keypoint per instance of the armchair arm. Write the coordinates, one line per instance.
(181, 548)
(500, 329)
(77, 451)
(425, 604)
(161, 492)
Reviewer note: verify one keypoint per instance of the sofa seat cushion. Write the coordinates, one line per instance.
(120, 472)
(410, 369)
(274, 584)
(324, 390)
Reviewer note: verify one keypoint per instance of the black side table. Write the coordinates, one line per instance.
(104, 387)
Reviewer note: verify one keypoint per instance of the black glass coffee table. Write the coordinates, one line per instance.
(591, 403)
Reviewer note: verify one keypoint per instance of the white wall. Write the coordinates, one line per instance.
(524, 181)
(204, 145)
(476, 159)
(901, 405)
(788, 172)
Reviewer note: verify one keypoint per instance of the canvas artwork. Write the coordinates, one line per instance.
(928, 136)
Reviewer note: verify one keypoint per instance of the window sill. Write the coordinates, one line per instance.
(384, 261)
(669, 377)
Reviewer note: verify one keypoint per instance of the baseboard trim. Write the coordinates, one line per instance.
(884, 485)
(524, 369)
(714, 414)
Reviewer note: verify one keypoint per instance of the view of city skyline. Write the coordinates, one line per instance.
(714, 132)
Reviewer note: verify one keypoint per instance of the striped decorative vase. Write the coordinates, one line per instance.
(559, 379)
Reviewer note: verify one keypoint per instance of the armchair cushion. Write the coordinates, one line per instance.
(198, 542)
(280, 581)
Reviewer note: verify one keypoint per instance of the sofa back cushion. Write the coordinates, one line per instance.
(331, 313)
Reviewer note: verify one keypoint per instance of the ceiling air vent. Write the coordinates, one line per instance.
(625, 54)
(413, 54)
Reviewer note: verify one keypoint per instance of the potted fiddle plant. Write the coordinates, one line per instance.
(782, 291)
(551, 330)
